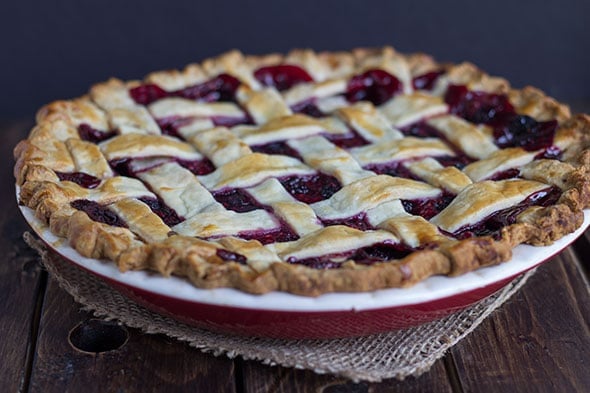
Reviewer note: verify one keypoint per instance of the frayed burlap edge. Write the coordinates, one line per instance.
(396, 354)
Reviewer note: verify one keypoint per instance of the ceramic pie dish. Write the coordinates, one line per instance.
(284, 315)
(307, 173)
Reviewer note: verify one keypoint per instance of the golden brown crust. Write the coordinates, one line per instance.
(46, 152)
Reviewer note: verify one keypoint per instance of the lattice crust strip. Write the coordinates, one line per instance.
(307, 173)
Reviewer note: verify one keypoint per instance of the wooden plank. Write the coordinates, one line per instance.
(259, 378)
(539, 341)
(21, 287)
(145, 363)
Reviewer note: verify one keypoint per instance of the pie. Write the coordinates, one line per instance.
(308, 172)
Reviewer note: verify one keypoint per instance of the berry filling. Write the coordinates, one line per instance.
(346, 141)
(476, 106)
(282, 76)
(98, 212)
(276, 148)
(524, 131)
(147, 93)
(281, 234)
(510, 129)
(89, 134)
(376, 86)
(311, 188)
(308, 107)
(123, 166)
(230, 256)
(427, 208)
(459, 161)
(379, 252)
(358, 221)
(224, 121)
(197, 167)
(507, 174)
(170, 125)
(421, 130)
(237, 199)
(167, 214)
(395, 169)
(80, 178)
(221, 88)
(426, 81)
(492, 225)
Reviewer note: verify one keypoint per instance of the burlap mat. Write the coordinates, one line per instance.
(396, 354)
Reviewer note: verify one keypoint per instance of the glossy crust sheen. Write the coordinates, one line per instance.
(43, 153)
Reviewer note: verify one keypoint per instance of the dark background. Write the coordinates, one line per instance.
(57, 49)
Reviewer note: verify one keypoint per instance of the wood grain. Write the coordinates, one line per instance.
(538, 341)
(21, 286)
(259, 378)
(146, 363)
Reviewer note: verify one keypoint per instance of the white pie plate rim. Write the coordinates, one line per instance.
(434, 288)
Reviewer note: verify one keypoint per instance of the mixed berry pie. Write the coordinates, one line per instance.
(307, 173)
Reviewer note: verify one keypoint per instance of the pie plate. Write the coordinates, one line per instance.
(284, 315)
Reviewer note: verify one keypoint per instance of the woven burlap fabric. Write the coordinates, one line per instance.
(397, 354)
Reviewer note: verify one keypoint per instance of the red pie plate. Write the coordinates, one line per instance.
(284, 315)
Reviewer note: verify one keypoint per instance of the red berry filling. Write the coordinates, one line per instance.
(167, 214)
(311, 188)
(308, 107)
(395, 169)
(98, 212)
(170, 125)
(282, 76)
(492, 225)
(80, 178)
(346, 141)
(276, 148)
(507, 174)
(426, 81)
(197, 167)
(475, 106)
(221, 88)
(376, 86)
(230, 256)
(524, 131)
(421, 130)
(236, 199)
(147, 93)
(87, 133)
(459, 161)
(281, 234)
(429, 207)
(358, 221)
(379, 252)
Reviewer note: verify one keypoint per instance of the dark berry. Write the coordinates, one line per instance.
(376, 86)
(282, 77)
(426, 81)
(148, 93)
(98, 213)
(87, 133)
(221, 88)
(475, 106)
(167, 214)
(82, 179)
(524, 131)
(311, 188)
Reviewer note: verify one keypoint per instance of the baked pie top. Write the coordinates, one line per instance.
(307, 173)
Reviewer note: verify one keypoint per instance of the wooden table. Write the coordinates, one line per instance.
(539, 341)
